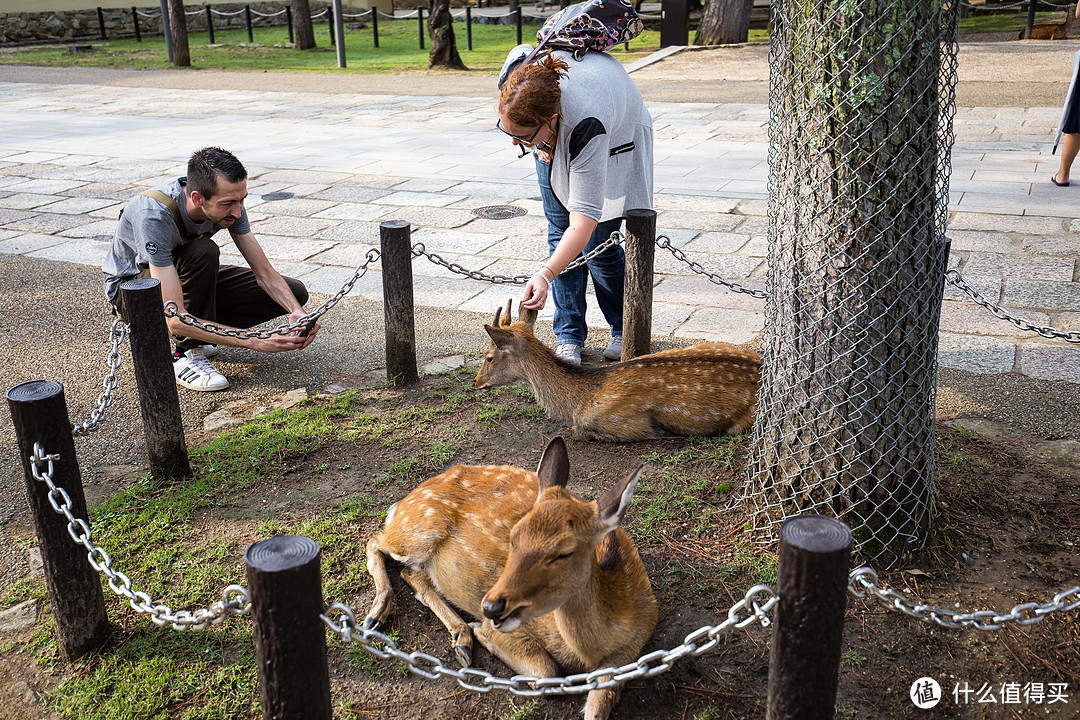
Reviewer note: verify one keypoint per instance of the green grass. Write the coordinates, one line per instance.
(1002, 21)
(398, 52)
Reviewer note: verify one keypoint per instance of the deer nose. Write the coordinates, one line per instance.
(494, 609)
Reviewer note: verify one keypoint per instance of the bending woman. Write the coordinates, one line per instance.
(591, 137)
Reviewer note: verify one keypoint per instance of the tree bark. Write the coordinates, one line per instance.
(178, 33)
(863, 101)
(440, 24)
(303, 29)
(724, 22)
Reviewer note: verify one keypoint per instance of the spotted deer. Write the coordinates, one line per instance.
(558, 583)
(706, 389)
(1051, 31)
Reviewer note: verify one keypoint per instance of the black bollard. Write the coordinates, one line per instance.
(815, 553)
(151, 358)
(247, 17)
(420, 23)
(638, 287)
(1032, 7)
(396, 249)
(518, 21)
(288, 22)
(135, 20)
(285, 588)
(468, 27)
(40, 415)
(375, 25)
(339, 26)
(330, 24)
(101, 23)
(210, 23)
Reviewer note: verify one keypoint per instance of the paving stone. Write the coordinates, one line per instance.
(699, 291)
(456, 241)
(420, 217)
(84, 251)
(21, 244)
(699, 221)
(46, 223)
(717, 242)
(988, 287)
(95, 229)
(418, 198)
(695, 203)
(292, 249)
(19, 617)
(728, 267)
(1058, 361)
(1042, 295)
(723, 325)
(349, 193)
(980, 263)
(330, 280)
(78, 206)
(300, 207)
(291, 226)
(976, 354)
(971, 319)
(26, 201)
(1051, 245)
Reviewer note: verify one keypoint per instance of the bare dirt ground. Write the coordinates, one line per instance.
(1007, 531)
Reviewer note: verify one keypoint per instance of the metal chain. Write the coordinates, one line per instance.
(119, 331)
(418, 249)
(863, 581)
(234, 598)
(663, 241)
(1046, 331)
(283, 329)
(696, 643)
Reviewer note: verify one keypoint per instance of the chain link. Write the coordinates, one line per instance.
(1046, 331)
(863, 581)
(663, 241)
(234, 598)
(119, 331)
(753, 608)
(418, 249)
(285, 328)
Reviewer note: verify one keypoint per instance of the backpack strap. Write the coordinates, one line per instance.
(171, 204)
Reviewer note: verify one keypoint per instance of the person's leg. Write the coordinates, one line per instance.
(608, 271)
(1070, 146)
(197, 264)
(568, 290)
(242, 303)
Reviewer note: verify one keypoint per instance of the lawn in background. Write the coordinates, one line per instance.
(398, 52)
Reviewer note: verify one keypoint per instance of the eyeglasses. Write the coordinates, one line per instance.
(522, 142)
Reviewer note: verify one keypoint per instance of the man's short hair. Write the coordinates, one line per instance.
(207, 164)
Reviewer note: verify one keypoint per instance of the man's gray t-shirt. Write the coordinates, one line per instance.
(147, 235)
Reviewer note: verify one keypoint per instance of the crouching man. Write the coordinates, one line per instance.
(166, 233)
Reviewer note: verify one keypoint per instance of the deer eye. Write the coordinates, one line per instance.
(488, 359)
(564, 556)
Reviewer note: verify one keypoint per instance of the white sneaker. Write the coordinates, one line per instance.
(194, 371)
(210, 351)
(569, 352)
(614, 348)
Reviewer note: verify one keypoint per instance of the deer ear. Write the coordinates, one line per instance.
(554, 467)
(525, 316)
(612, 506)
(503, 339)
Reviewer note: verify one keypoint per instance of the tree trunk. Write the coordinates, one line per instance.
(303, 30)
(441, 31)
(724, 22)
(178, 33)
(862, 101)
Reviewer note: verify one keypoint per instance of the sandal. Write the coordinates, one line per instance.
(1053, 179)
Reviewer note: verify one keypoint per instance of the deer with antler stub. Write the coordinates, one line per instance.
(707, 389)
(559, 585)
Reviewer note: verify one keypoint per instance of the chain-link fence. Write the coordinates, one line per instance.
(861, 107)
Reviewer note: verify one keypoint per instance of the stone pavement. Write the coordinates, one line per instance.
(71, 154)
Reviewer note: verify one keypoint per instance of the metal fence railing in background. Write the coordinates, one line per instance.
(862, 98)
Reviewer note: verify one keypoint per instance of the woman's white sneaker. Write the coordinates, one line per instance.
(569, 352)
(194, 371)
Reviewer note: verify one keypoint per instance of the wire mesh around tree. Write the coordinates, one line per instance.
(862, 98)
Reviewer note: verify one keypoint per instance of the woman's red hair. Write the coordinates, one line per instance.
(531, 95)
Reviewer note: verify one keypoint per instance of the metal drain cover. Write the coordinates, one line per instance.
(499, 212)
(277, 196)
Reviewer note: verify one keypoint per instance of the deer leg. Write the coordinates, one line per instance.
(380, 606)
(601, 702)
(519, 650)
(460, 632)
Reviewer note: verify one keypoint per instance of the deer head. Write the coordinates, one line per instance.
(505, 356)
(553, 548)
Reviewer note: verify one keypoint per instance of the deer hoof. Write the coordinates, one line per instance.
(463, 651)
(371, 623)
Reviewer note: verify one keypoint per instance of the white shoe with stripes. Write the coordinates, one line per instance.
(194, 371)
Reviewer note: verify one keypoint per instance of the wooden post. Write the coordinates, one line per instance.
(101, 23)
(638, 287)
(40, 415)
(420, 23)
(339, 27)
(210, 23)
(468, 26)
(396, 248)
(375, 25)
(330, 25)
(247, 17)
(135, 20)
(151, 358)
(290, 639)
(165, 29)
(1032, 6)
(518, 21)
(815, 552)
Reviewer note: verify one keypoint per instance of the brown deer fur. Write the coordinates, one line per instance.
(559, 584)
(1051, 31)
(706, 389)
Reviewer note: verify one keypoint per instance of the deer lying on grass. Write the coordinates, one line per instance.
(1051, 31)
(559, 584)
(706, 389)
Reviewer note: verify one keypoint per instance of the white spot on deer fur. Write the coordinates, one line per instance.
(430, 512)
(390, 515)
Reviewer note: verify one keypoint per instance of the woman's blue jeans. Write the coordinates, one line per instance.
(568, 291)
